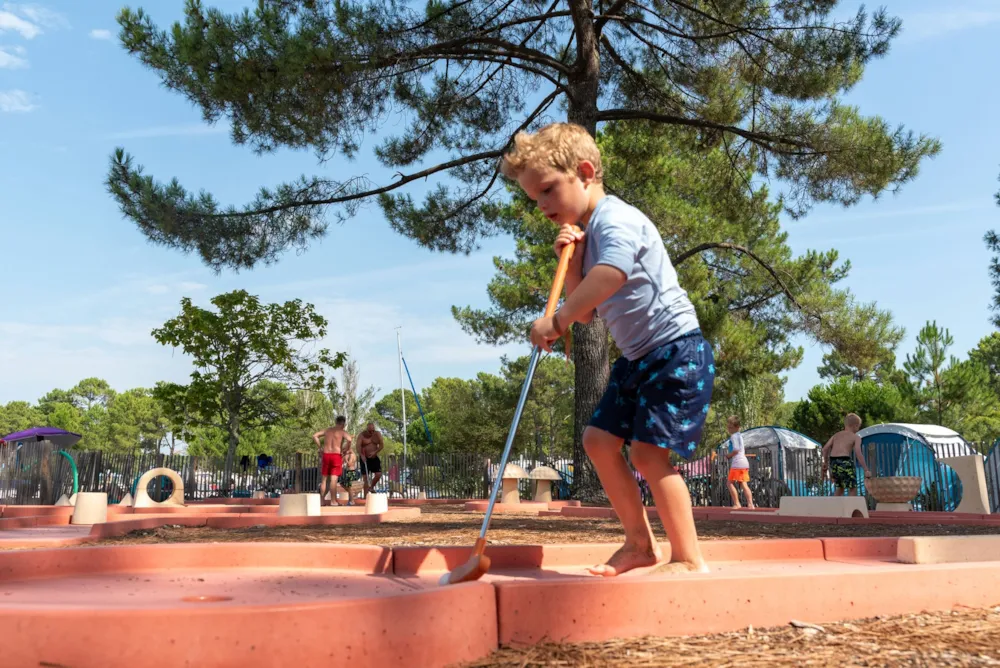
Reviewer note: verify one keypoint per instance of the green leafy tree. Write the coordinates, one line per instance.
(348, 397)
(987, 354)
(91, 396)
(762, 81)
(864, 341)
(973, 407)
(64, 416)
(950, 392)
(928, 386)
(388, 414)
(468, 415)
(992, 241)
(18, 416)
(136, 422)
(822, 413)
(546, 427)
(308, 412)
(92, 392)
(61, 411)
(235, 349)
(756, 400)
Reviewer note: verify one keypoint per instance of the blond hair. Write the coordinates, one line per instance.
(733, 422)
(852, 420)
(560, 146)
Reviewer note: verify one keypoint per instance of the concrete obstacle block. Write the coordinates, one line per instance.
(72, 500)
(948, 549)
(969, 469)
(376, 504)
(90, 508)
(64, 501)
(823, 506)
(126, 500)
(894, 507)
(142, 498)
(299, 505)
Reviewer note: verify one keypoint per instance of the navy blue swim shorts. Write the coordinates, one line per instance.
(663, 397)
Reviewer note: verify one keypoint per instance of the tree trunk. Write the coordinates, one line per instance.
(590, 341)
(233, 436)
(590, 356)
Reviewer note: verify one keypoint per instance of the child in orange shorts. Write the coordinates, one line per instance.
(739, 465)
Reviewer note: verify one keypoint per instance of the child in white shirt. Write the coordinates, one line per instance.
(739, 465)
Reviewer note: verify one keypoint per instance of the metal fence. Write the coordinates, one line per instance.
(792, 472)
(36, 473)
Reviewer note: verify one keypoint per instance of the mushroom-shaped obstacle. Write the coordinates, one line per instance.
(544, 476)
(512, 473)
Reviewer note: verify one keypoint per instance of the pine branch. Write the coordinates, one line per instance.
(681, 257)
(766, 140)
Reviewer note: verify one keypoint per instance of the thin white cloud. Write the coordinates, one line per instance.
(11, 22)
(100, 33)
(10, 58)
(29, 19)
(190, 286)
(168, 131)
(16, 101)
(930, 25)
(157, 289)
(38, 14)
(878, 212)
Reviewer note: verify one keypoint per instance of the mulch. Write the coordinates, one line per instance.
(962, 637)
(450, 525)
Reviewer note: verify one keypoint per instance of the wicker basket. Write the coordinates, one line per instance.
(895, 489)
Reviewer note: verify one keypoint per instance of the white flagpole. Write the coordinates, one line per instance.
(402, 399)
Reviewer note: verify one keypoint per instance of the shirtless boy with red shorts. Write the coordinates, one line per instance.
(335, 441)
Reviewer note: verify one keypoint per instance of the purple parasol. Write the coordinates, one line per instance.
(59, 437)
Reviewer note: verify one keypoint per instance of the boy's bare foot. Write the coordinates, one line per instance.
(626, 558)
(680, 567)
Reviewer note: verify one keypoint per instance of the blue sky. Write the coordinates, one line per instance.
(82, 288)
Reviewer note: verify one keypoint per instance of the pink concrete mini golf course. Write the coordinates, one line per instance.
(268, 603)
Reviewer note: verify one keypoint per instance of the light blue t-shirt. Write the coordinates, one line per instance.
(651, 309)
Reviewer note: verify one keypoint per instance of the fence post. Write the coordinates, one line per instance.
(193, 478)
(45, 474)
(298, 472)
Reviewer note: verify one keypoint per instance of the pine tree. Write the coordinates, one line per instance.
(760, 79)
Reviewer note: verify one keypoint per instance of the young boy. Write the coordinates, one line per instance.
(659, 390)
(837, 457)
(739, 465)
(350, 474)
